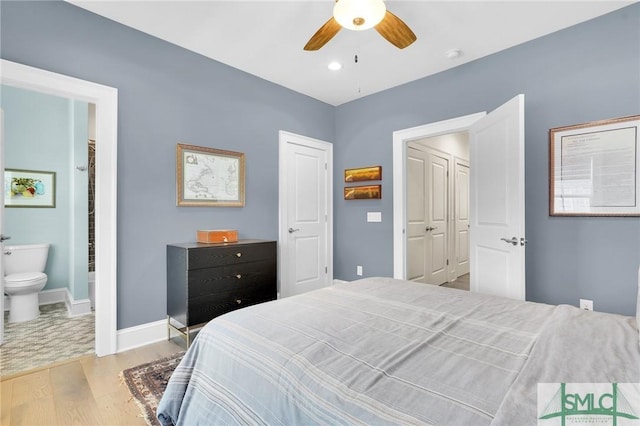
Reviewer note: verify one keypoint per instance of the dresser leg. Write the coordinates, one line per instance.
(168, 328)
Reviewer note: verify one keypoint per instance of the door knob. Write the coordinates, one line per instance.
(3, 238)
(513, 241)
(523, 241)
(291, 230)
(431, 228)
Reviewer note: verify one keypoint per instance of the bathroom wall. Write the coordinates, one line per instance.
(39, 131)
(78, 223)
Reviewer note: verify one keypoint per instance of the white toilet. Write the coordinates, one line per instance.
(24, 278)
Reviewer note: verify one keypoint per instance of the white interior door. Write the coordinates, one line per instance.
(427, 211)
(497, 202)
(305, 214)
(2, 237)
(416, 215)
(461, 216)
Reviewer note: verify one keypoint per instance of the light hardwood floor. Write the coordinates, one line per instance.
(85, 391)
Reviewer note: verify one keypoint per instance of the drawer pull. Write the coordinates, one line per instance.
(238, 276)
(238, 254)
(238, 301)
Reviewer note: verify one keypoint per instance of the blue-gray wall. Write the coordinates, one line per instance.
(585, 73)
(166, 95)
(41, 132)
(169, 95)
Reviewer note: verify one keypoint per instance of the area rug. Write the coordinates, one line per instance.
(147, 383)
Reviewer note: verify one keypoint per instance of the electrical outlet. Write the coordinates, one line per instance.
(586, 304)
(359, 270)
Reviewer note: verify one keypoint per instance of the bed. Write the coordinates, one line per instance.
(380, 351)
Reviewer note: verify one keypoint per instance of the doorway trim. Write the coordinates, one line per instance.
(400, 140)
(106, 100)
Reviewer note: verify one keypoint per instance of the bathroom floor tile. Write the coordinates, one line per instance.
(50, 338)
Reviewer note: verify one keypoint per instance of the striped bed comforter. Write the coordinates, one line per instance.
(381, 351)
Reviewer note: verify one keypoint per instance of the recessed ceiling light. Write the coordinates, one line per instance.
(334, 66)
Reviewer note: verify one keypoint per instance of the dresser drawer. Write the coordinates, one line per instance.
(212, 255)
(203, 309)
(225, 278)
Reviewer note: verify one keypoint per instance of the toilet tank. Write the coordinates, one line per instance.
(25, 258)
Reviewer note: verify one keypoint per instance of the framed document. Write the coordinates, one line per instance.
(594, 168)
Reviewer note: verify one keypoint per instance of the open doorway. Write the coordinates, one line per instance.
(438, 133)
(46, 135)
(437, 210)
(106, 104)
(496, 194)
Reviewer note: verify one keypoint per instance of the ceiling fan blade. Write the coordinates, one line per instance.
(395, 31)
(323, 35)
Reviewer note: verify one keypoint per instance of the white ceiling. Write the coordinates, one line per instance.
(265, 38)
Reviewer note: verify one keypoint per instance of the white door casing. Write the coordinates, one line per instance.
(401, 139)
(106, 100)
(306, 200)
(461, 217)
(497, 202)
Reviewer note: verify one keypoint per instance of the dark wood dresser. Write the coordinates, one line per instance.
(208, 280)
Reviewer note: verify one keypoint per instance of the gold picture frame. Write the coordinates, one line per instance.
(363, 174)
(208, 177)
(368, 192)
(594, 168)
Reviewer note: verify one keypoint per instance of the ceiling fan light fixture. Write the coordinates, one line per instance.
(359, 14)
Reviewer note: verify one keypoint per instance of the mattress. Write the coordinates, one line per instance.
(381, 351)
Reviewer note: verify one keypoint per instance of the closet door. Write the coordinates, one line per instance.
(427, 210)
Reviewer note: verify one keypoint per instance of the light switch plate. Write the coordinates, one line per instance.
(374, 216)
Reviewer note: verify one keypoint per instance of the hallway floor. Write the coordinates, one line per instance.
(461, 283)
(50, 338)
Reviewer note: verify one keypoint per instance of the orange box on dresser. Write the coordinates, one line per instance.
(217, 236)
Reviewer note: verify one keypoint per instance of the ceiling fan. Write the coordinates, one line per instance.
(361, 15)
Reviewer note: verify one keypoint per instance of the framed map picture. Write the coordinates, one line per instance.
(209, 177)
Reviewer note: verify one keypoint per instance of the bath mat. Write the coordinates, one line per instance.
(147, 383)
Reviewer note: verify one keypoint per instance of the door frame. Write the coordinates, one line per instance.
(400, 140)
(284, 138)
(106, 100)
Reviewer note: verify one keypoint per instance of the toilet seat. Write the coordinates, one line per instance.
(23, 278)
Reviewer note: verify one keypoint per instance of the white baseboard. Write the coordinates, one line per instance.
(76, 308)
(337, 281)
(56, 295)
(140, 335)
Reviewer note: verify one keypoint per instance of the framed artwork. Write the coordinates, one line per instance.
(209, 177)
(369, 192)
(363, 174)
(29, 188)
(594, 168)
